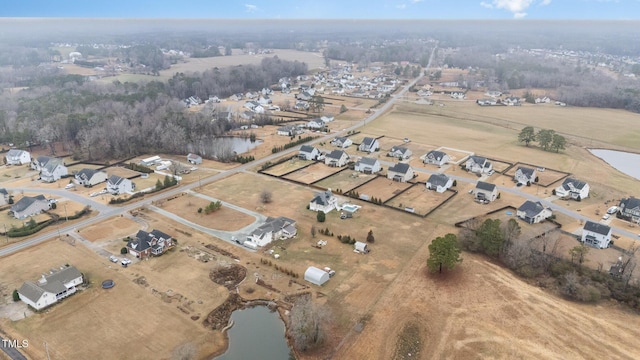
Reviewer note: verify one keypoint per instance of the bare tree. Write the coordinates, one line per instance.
(266, 196)
(313, 231)
(177, 167)
(307, 324)
(184, 352)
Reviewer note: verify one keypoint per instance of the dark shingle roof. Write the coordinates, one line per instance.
(25, 202)
(368, 141)
(630, 203)
(597, 228)
(115, 179)
(368, 161)
(400, 149)
(335, 154)
(401, 168)
(306, 148)
(576, 183)
(525, 171)
(485, 186)
(478, 160)
(322, 198)
(86, 173)
(530, 208)
(3, 191)
(438, 155)
(438, 179)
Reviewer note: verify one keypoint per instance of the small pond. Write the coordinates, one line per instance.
(623, 161)
(241, 145)
(257, 333)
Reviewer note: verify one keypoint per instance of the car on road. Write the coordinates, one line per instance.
(70, 186)
(113, 259)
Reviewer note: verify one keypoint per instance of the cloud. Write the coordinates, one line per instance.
(401, 6)
(250, 8)
(516, 7)
(415, 1)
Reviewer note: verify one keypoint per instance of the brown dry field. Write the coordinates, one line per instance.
(382, 188)
(344, 180)
(312, 173)
(386, 143)
(287, 166)
(114, 228)
(545, 178)
(420, 199)
(502, 165)
(226, 219)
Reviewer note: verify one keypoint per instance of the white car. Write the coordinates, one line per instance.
(606, 217)
(113, 259)
(126, 261)
(70, 186)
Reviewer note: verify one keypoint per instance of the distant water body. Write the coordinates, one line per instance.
(628, 163)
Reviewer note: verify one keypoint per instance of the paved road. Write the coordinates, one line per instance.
(12, 352)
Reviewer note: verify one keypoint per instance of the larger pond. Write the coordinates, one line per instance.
(628, 163)
(240, 145)
(257, 333)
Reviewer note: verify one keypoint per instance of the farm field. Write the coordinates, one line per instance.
(382, 188)
(345, 180)
(312, 173)
(287, 166)
(420, 199)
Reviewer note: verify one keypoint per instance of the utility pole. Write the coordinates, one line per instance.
(66, 218)
(6, 233)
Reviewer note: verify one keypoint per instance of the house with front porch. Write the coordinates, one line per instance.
(478, 165)
(525, 176)
(629, 209)
(336, 158)
(596, 235)
(51, 169)
(369, 145)
(342, 142)
(400, 152)
(533, 212)
(146, 244)
(280, 228)
(400, 172)
(118, 185)
(436, 157)
(17, 157)
(573, 189)
(439, 182)
(51, 288)
(368, 165)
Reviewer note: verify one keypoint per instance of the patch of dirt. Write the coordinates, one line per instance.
(219, 317)
(228, 276)
(141, 281)
(222, 251)
(409, 344)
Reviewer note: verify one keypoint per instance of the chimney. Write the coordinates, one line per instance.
(43, 279)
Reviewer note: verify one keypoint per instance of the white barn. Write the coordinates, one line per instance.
(316, 276)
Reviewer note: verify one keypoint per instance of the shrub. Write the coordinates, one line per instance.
(199, 210)
(16, 296)
(321, 217)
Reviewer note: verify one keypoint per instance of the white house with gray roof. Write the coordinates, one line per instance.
(525, 175)
(630, 209)
(439, 182)
(30, 206)
(51, 288)
(436, 157)
(341, 142)
(368, 165)
(400, 152)
(596, 235)
(478, 165)
(323, 201)
(51, 169)
(573, 189)
(4, 197)
(533, 212)
(336, 158)
(17, 157)
(485, 191)
(90, 177)
(400, 172)
(119, 185)
(194, 159)
(279, 228)
(308, 152)
(369, 145)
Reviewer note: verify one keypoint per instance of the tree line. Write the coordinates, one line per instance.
(546, 138)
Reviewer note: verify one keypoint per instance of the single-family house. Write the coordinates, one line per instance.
(439, 182)
(573, 189)
(315, 124)
(30, 206)
(630, 209)
(118, 185)
(51, 288)
(525, 176)
(327, 119)
(542, 100)
(478, 165)
(51, 169)
(145, 244)
(4, 196)
(301, 105)
(336, 158)
(90, 177)
(368, 165)
(324, 201)
(512, 101)
(17, 157)
(400, 172)
(308, 152)
(436, 157)
(194, 159)
(316, 276)
(487, 102)
(279, 228)
(341, 142)
(287, 130)
(400, 152)
(485, 191)
(533, 212)
(596, 235)
(369, 145)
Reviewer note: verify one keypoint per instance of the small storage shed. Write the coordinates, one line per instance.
(316, 276)
(361, 247)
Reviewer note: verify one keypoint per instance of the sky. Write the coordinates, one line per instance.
(328, 9)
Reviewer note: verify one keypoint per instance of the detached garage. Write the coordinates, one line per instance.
(316, 276)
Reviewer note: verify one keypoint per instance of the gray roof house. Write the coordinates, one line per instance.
(400, 172)
(323, 201)
(336, 158)
(400, 152)
(369, 145)
(30, 206)
(573, 189)
(533, 212)
(596, 235)
(368, 165)
(436, 157)
(439, 182)
(4, 196)
(145, 244)
(477, 164)
(525, 175)
(194, 159)
(485, 191)
(342, 142)
(119, 185)
(630, 209)
(279, 228)
(18, 157)
(308, 152)
(90, 177)
(51, 288)
(51, 169)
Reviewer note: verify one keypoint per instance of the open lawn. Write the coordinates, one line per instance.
(122, 172)
(345, 180)
(287, 166)
(382, 188)
(77, 167)
(313, 173)
(545, 178)
(420, 199)
(186, 206)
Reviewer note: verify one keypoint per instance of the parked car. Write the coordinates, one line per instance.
(612, 210)
(126, 261)
(113, 259)
(70, 186)
(606, 217)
